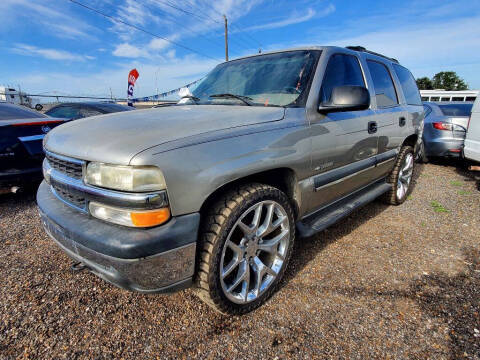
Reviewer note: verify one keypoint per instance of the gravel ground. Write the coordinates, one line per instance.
(387, 282)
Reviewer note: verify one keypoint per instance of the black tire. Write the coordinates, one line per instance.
(391, 196)
(38, 107)
(216, 227)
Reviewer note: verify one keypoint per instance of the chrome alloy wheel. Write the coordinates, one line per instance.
(405, 176)
(254, 252)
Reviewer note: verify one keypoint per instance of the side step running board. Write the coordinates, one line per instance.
(329, 215)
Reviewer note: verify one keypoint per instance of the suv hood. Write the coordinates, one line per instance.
(116, 138)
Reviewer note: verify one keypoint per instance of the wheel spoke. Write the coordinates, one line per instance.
(232, 265)
(250, 230)
(267, 227)
(400, 190)
(236, 248)
(246, 284)
(243, 270)
(271, 246)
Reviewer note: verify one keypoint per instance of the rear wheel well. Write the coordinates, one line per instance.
(411, 141)
(283, 179)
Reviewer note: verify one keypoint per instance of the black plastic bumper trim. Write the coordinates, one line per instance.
(115, 240)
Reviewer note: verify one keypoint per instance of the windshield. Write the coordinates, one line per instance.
(268, 80)
(14, 112)
(456, 109)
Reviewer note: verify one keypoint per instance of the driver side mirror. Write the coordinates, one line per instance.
(346, 98)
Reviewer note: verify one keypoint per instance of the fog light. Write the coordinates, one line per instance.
(127, 217)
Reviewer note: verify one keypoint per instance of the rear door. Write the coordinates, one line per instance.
(343, 149)
(391, 115)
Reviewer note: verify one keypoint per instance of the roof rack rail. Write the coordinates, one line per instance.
(362, 49)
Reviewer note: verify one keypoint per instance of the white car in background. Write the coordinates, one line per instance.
(471, 149)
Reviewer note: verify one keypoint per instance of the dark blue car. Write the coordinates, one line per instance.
(21, 154)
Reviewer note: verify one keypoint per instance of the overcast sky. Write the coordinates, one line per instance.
(56, 45)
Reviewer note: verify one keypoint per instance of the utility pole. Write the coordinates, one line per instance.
(226, 37)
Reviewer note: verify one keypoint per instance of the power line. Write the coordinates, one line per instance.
(231, 24)
(207, 17)
(172, 20)
(142, 30)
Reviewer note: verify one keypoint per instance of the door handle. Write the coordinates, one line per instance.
(402, 121)
(372, 127)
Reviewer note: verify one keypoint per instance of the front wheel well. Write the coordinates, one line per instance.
(283, 179)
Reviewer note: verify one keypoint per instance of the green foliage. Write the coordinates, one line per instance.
(446, 80)
(424, 83)
(449, 80)
(456, 183)
(437, 207)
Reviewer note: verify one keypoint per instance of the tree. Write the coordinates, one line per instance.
(448, 80)
(424, 83)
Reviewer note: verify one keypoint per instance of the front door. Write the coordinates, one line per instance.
(344, 144)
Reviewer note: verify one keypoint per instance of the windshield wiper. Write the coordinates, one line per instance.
(245, 99)
(191, 97)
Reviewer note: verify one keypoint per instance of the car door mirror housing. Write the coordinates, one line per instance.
(346, 98)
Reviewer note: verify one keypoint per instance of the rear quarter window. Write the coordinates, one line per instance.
(408, 84)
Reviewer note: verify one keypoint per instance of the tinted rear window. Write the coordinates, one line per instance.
(13, 112)
(456, 109)
(408, 84)
(385, 92)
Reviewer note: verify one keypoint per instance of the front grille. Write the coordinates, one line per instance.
(68, 168)
(75, 200)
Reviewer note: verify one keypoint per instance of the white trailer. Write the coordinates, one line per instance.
(444, 95)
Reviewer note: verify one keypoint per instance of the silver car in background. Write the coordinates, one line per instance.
(444, 129)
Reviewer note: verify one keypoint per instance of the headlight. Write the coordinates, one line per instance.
(126, 217)
(125, 178)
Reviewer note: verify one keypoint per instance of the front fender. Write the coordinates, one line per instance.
(194, 172)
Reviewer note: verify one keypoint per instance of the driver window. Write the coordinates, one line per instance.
(341, 70)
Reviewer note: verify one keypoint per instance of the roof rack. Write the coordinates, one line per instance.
(362, 49)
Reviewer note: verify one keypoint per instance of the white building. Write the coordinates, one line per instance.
(443, 95)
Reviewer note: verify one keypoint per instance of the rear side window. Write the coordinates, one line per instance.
(456, 109)
(408, 84)
(13, 112)
(341, 70)
(65, 112)
(382, 81)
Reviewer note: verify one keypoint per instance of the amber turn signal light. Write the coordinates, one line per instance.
(150, 218)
